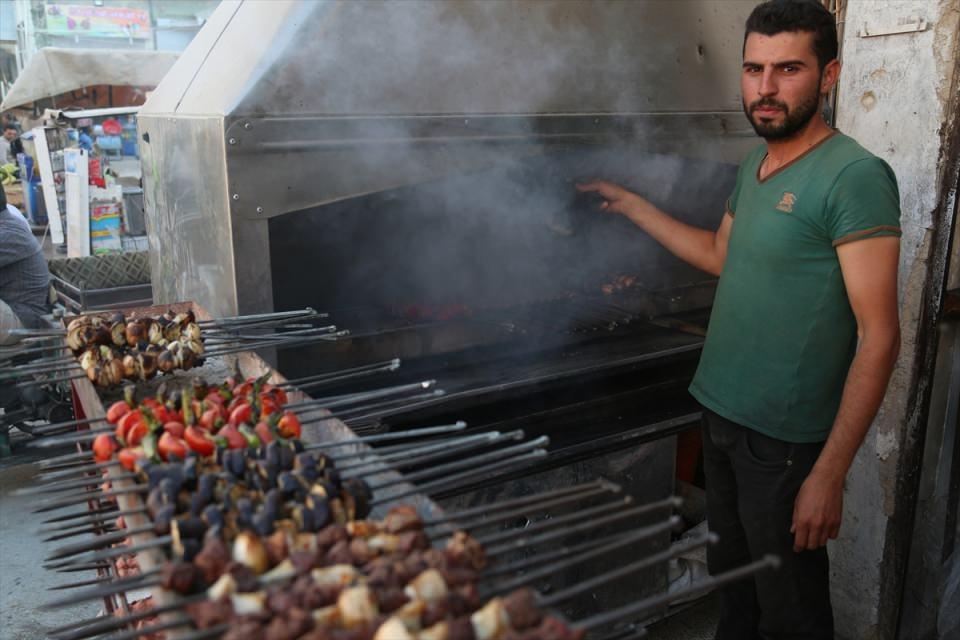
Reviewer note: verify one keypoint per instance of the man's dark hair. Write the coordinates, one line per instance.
(778, 16)
(10, 126)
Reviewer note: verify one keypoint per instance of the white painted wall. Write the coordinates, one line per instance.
(894, 98)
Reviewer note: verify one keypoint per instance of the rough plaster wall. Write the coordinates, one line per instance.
(893, 93)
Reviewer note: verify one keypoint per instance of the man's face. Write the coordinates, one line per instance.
(9, 134)
(782, 84)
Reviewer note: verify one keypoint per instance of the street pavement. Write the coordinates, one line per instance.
(24, 583)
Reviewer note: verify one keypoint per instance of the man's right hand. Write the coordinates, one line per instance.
(616, 198)
(706, 250)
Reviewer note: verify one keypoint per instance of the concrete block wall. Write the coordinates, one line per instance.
(897, 96)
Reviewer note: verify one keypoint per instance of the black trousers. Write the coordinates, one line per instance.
(752, 482)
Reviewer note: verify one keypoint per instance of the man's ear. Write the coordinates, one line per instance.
(830, 76)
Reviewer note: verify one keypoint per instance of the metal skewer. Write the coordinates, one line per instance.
(23, 384)
(633, 537)
(104, 624)
(98, 542)
(342, 376)
(56, 487)
(445, 484)
(675, 551)
(585, 526)
(80, 498)
(418, 456)
(547, 524)
(469, 463)
(112, 508)
(652, 603)
(354, 398)
(98, 519)
(551, 555)
(108, 554)
(533, 499)
(152, 629)
(98, 528)
(487, 521)
(64, 459)
(119, 585)
(389, 406)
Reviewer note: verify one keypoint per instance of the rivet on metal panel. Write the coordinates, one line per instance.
(232, 141)
(236, 196)
(466, 121)
(259, 209)
(247, 125)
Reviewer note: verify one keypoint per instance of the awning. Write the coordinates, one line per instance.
(53, 71)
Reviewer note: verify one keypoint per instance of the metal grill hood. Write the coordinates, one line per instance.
(360, 58)
(281, 106)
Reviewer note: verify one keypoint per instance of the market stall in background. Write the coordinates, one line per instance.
(78, 179)
(80, 169)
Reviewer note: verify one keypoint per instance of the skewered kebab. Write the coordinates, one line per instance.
(346, 572)
(333, 378)
(382, 536)
(319, 407)
(112, 348)
(438, 630)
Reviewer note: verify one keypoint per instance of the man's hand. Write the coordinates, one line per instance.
(703, 249)
(817, 511)
(869, 268)
(617, 199)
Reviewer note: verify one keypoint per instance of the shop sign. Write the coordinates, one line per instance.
(97, 22)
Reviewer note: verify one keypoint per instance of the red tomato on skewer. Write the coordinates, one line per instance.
(172, 445)
(126, 423)
(234, 438)
(103, 447)
(198, 440)
(263, 432)
(267, 406)
(117, 410)
(241, 414)
(174, 428)
(128, 457)
(136, 433)
(209, 419)
(289, 425)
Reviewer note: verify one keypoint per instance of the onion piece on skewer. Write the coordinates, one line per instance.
(357, 606)
(393, 629)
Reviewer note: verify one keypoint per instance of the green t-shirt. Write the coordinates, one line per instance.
(782, 334)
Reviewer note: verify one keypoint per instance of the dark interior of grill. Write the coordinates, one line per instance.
(531, 308)
(508, 291)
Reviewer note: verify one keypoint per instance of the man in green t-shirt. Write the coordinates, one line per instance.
(804, 330)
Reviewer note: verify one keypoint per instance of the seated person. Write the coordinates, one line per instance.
(24, 278)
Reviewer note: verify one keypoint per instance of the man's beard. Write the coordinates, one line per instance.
(794, 120)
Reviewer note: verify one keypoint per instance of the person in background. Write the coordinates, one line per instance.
(804, 331)
(10, 144)
(84, 141)
(24, 277)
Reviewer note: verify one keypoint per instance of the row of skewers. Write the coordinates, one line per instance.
(270, 542)
(261, 535)
(258, 489)
(114, 347)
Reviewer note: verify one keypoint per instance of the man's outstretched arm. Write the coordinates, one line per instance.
(704, 249)
(869, 269)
